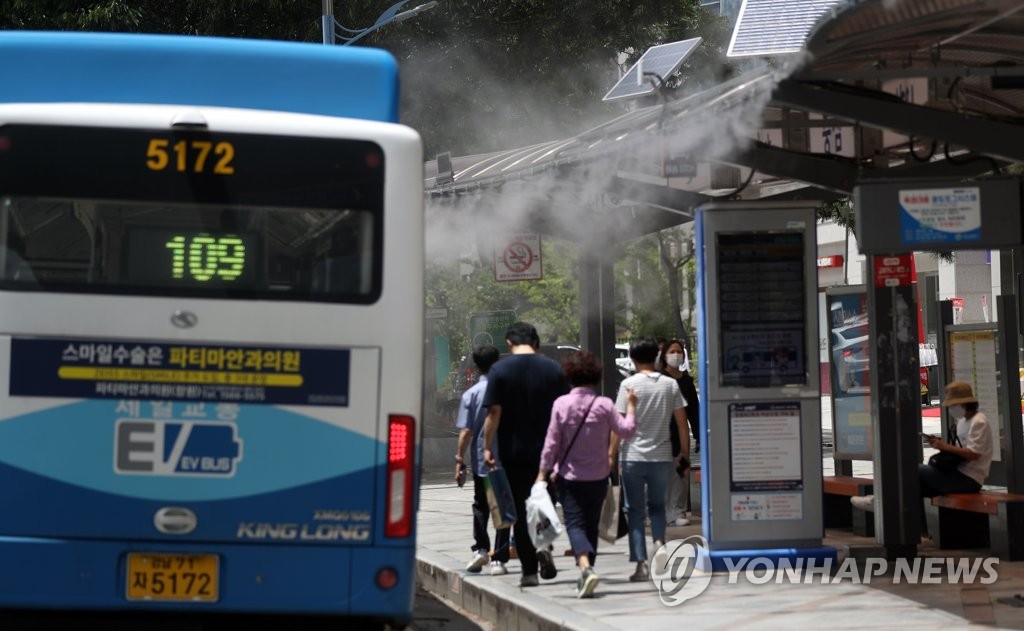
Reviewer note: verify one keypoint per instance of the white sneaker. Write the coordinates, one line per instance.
(498, 568)
(679, 521)
(480, 559)
(867, 502)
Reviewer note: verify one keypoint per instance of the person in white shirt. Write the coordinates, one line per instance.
(646, 459)
(975, 450)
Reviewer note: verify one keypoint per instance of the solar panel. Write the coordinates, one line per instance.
(662, 60)
(775, 27)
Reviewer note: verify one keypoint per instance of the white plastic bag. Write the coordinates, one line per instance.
(541, 518)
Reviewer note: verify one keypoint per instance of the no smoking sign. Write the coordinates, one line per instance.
(518, 258)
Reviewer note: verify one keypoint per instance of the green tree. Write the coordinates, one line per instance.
(467, 286)
(643, 305)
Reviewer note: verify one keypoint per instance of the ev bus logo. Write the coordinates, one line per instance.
(684, 570)
(144, 447)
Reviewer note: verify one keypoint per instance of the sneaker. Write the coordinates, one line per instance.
(680, 521)
(480, 559)
(529, 580)
(498, 568)
(641, 574)
(548, 570)
(588, 581)
(866, 502)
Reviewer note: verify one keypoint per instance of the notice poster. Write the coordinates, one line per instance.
(764, 444)
(767, 506)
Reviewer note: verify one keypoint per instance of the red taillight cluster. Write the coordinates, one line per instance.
(401, 455)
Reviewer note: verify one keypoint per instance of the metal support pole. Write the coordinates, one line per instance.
(1012, 440)
(945, 367)
(328, 22)
(597, 313)
(896, 408)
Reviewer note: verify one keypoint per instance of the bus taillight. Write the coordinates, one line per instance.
(398, 517)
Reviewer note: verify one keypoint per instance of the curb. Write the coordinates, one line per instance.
(508, 607)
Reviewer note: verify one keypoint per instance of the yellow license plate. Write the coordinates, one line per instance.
(183, 577)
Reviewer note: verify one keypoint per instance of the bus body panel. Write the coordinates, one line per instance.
(227, 72)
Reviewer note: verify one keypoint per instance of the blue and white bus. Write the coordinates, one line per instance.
(210, 328)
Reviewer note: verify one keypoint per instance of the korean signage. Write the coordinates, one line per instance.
(913, 215)
(518, 258)
(893, 271)
(103, 369)
(940, 214)
(490, 327)
(765, 443)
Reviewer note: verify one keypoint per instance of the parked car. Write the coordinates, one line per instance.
(622, 360)
(851, 355)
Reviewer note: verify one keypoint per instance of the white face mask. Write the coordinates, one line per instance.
(674, 359)
(958, 411)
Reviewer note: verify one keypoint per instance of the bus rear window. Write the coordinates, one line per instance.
(155, 249)
(190, 214)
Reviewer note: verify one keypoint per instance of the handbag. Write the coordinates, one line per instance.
(499, 499)
(945, 461)
(613, 525)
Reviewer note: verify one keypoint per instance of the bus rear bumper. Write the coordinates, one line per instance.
(60, 574)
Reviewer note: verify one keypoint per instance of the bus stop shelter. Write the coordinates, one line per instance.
(883, 91)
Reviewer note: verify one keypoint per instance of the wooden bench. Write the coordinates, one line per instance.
(989, 519)
(839, 513)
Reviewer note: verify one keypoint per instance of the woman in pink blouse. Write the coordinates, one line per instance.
(577, 451)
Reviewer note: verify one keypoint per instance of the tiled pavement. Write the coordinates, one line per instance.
(445, 531)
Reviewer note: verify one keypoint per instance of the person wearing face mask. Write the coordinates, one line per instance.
(975, 436)
(675, 364)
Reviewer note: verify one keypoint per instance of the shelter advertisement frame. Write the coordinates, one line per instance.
(973, 355)
(849, 365)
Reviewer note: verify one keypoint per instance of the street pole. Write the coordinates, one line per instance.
(328, 22)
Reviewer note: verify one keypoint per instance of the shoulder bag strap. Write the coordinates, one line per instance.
(573, 441)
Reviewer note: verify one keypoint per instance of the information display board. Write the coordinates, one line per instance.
(761, 297)
(757, 339)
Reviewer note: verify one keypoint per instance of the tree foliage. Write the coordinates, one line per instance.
(477, 75)
(468, 287)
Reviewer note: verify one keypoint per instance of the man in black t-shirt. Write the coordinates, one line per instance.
(521, 389)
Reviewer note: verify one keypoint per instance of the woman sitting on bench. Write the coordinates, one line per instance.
(975, 436)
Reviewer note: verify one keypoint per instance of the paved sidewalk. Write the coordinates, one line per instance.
(445, 534)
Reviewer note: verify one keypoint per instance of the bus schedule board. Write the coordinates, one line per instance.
(973, 357)
(761, 296)
(107, 369)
